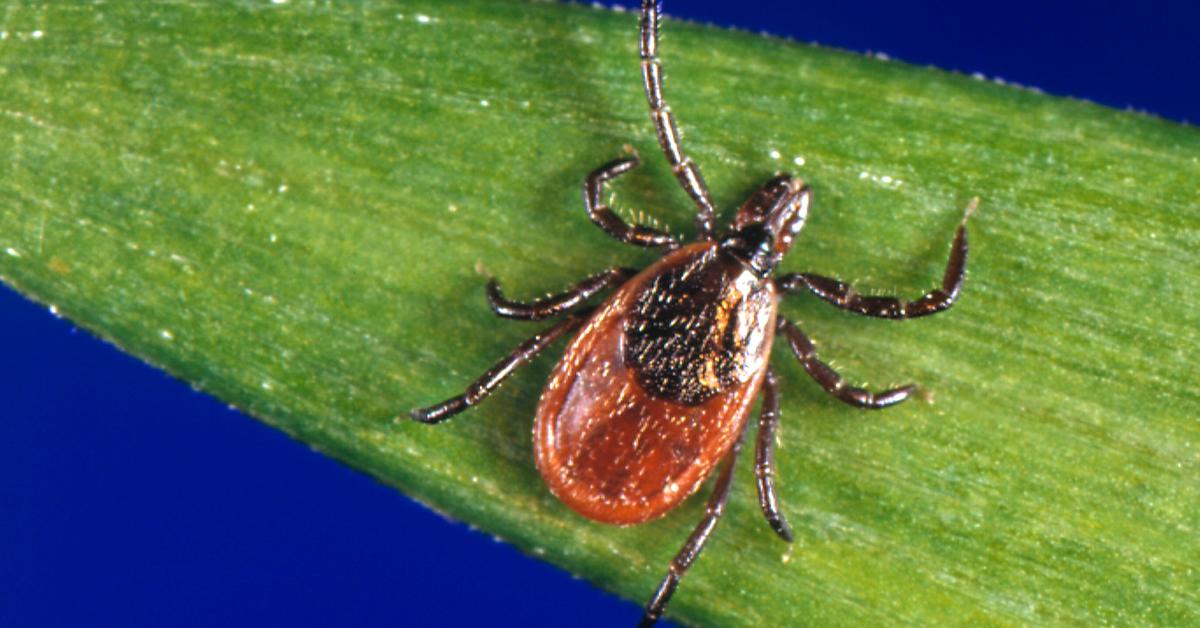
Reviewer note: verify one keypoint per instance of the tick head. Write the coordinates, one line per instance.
(767, 223)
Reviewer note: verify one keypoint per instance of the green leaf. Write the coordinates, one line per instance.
(294, 208)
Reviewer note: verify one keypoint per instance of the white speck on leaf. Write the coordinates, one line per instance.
(884, 180)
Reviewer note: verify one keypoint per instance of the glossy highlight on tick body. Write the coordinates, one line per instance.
(654, 390)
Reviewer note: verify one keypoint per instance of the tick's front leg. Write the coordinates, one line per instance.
(846, 297)
(683, 167)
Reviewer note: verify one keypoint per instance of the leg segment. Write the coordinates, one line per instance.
(847, 298)
(695, 542)
(764, 458)
(685, 170)
(489, 381)
(829, 378)
(606, 219)
(558, 303)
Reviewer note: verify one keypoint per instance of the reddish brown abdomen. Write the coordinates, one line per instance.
(616, 453)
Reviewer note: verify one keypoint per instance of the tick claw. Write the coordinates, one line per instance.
(440, 412)
(971, 207)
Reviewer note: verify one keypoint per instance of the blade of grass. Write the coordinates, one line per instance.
(292, 206)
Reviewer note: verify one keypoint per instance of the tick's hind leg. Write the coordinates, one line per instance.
(489, 381)
(558, 303)
(607, 219)
(764, 458)
(831, 381)
(847, 297)
(695, 542)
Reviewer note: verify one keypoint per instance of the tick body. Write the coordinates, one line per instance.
(654, 391)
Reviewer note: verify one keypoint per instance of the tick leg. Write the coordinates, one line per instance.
(847, 297)
(829, 378)
(607, 219)
(695, 543)
(489, 381)
(764, 458)
(558, 303)
(686, 171)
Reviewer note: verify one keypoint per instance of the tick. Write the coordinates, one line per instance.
(654, 390)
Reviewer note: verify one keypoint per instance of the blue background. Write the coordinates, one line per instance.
(128, 499)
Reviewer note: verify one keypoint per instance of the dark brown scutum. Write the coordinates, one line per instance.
(695, 329)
